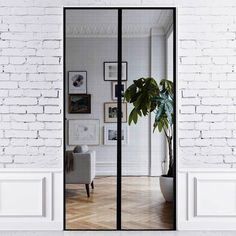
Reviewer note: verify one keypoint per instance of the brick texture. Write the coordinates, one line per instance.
(31, 83)
(207, 85)
(31, 80)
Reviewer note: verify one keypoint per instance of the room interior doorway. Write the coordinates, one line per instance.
(112, 169)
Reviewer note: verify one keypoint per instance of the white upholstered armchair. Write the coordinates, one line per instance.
(83, 171)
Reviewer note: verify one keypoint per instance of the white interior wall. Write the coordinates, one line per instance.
(169, 55)
(89, 54)
(157, 140)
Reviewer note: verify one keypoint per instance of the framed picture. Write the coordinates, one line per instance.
(83, 132)
(110, 134)
(110, 71)
(111, 110)
(80, 103)
(115, 89)
(77, 82)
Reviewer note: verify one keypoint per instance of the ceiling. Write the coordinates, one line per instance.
(103, 23)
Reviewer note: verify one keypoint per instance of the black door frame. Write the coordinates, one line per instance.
(119, 118)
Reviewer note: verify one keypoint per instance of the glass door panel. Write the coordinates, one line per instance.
(90, 118)
(144, 152)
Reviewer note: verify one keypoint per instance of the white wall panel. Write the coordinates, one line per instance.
(31, 200)
(214, 197)
(22, 196)
(207, 199)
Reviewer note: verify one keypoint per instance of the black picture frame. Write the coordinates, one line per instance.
(112, 107)
(79, 103)
(114, 90)
(81, 75)
(106, 77)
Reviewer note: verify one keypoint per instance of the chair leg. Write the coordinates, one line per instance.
(87, 189)
(92, 185)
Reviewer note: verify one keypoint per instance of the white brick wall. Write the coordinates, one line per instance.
(31, 79)
(31, 66)
(207, 56)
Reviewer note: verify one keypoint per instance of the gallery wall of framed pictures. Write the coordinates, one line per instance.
(79, 100)
(86, 131)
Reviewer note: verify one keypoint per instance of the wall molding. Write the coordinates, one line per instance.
(207, 199)
(24, 208)
(110, 31)
(36, 206)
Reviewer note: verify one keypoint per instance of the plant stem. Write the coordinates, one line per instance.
(169, 141)
(170, 171)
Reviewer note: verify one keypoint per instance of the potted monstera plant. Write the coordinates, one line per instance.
(147, 96)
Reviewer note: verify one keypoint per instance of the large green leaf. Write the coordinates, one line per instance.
(167, 85)
(139, 83)
(130, 92)
(133, 116)
(146, 96)
(159, 112)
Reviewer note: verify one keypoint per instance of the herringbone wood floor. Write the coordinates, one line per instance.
(143, 206)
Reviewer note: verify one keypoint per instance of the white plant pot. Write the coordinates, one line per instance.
(166, 184)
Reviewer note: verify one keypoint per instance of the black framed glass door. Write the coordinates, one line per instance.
(150, 113)
(90, 118)
(112, 169)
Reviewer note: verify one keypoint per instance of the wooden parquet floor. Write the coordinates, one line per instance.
(143, 206)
